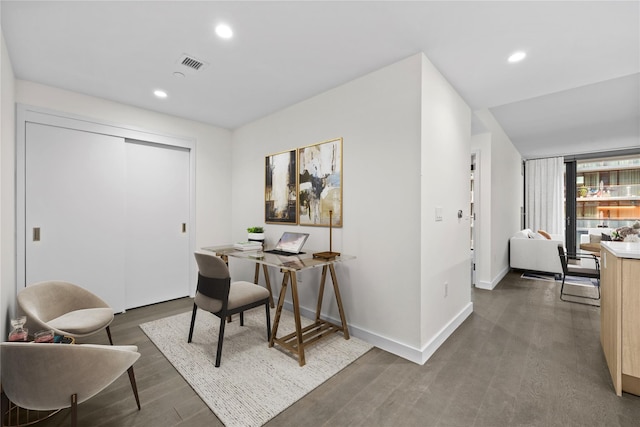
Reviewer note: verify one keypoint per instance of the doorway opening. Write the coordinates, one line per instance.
(473, 207)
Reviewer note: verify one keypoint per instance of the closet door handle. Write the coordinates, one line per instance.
(184, 227)
(36, 234)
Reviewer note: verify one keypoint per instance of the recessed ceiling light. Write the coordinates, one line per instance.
(160, 93)
(517, 57)
(224, 31)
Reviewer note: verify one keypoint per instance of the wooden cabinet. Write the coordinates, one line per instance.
(620, 317)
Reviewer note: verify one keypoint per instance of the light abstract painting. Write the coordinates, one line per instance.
(320, 183)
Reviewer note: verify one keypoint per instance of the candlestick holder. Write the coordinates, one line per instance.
(328, 255)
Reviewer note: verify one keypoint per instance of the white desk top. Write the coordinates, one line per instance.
(623, 249)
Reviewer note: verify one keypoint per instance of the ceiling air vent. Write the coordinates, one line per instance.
(192, 63)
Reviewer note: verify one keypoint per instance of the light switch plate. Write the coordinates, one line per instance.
(438, 214)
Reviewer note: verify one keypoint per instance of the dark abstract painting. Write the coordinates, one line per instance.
(280, 196)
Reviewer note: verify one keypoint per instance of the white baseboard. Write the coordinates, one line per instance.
(419, 356)
(441, 337)
(493, 283)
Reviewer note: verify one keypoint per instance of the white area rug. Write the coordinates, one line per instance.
(254, 383)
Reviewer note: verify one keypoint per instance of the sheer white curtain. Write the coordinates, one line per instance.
(544, 194)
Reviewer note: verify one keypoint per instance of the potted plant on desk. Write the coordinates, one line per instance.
(256, 234)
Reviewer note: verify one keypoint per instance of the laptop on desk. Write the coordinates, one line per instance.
(289, 244)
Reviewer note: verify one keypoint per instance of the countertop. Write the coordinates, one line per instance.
(623, 249)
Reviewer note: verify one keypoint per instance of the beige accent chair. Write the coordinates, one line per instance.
(216, 294)
(65, 308)
(44, 377)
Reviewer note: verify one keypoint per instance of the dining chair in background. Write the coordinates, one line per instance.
(578, 271)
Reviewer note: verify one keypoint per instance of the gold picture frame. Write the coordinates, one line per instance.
(320, 183)
(280, 188)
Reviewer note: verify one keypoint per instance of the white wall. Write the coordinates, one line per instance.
(504, 163)
(381, 117)
(7, 185)
(378, 117)
(445, 186)
(405, 151)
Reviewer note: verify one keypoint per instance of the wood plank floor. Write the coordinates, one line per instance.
(523, 358)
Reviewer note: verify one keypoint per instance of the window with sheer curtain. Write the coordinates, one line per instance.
(544, 194)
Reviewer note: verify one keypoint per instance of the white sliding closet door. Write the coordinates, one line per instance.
(74, 184)
(157, 216)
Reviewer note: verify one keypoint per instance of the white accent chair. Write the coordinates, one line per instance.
(531, 251)
(45, 377)
(65, 308)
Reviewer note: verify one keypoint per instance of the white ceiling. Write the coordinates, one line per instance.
(577, 91)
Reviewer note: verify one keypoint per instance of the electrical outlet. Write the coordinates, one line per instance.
(446, 289)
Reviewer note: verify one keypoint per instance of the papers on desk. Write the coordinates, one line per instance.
(247, 246)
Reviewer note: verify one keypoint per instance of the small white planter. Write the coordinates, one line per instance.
(256, 236)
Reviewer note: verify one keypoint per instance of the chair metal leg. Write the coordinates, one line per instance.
(5, 406)
(193, 321)
(134, 387)
(220, 339)
(242, 318)
(579, 296)
(74, 410)
(109, 335)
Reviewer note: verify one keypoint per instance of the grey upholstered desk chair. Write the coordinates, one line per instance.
(216, 294)
(45, 377)
(65, 308)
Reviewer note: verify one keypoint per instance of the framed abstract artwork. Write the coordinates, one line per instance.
(280, 189)
(320, 183)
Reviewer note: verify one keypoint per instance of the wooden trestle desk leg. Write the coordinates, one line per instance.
(336, 291)
(323, 278)
(343, 319)
(265, 270)
(298, 347)
(276, 319)
(296, 315)
(294, 342)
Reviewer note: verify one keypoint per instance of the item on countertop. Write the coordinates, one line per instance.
(18, 333)
(43, 336)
